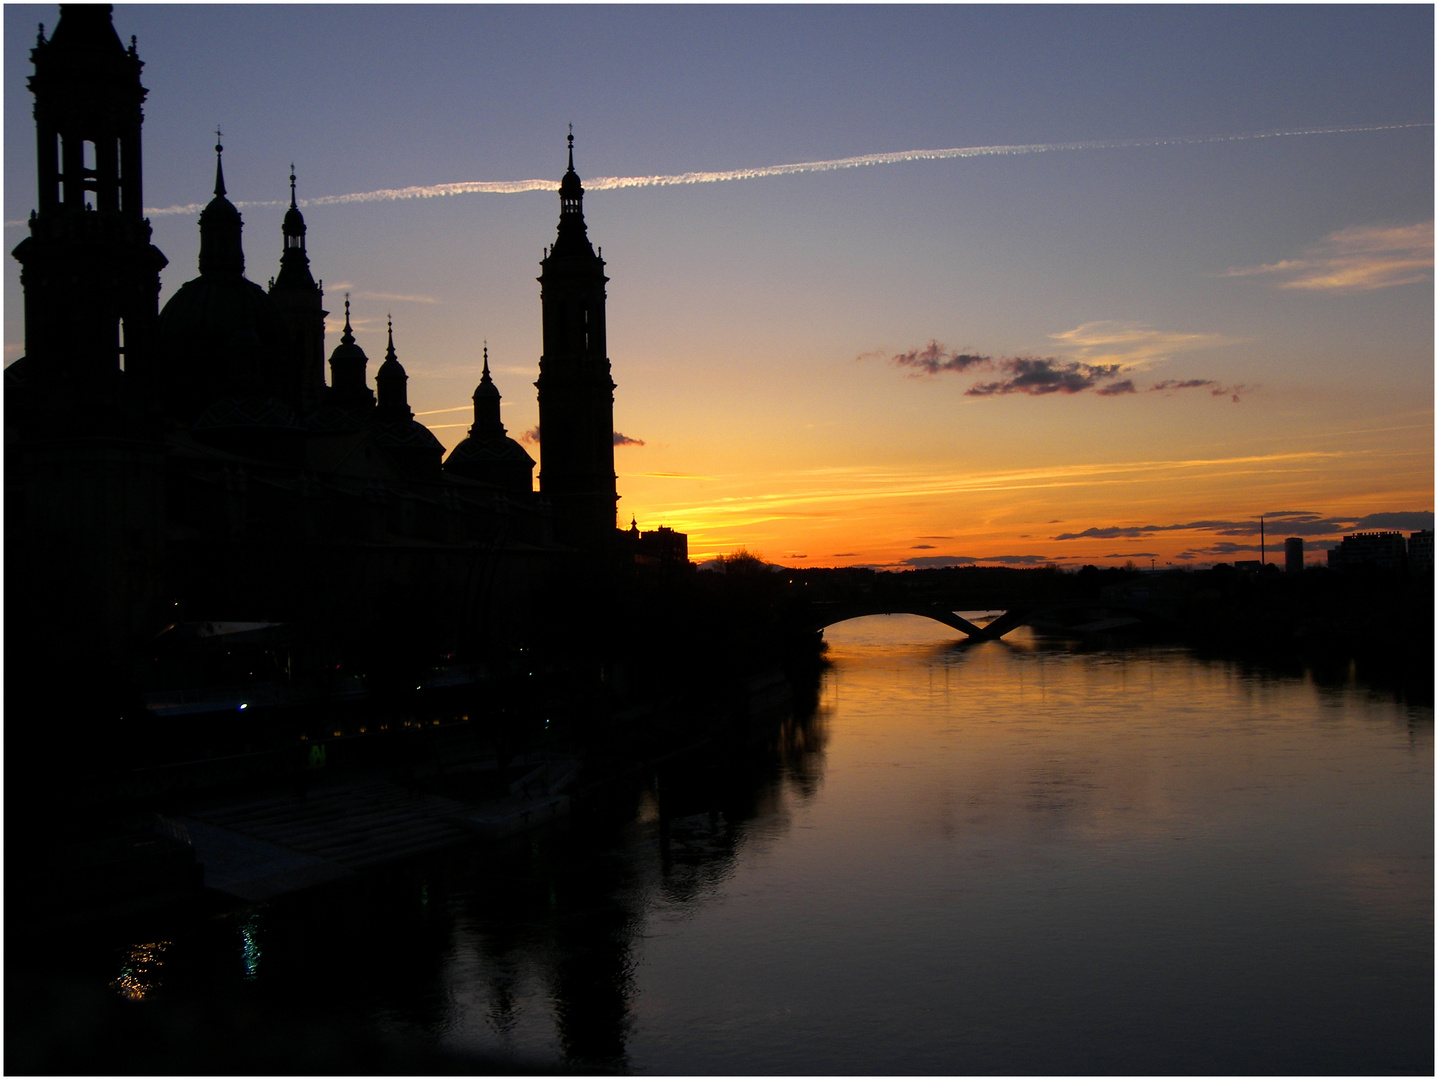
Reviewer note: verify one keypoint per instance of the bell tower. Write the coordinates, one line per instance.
(576, 393)
(302, 301)
(90, 274)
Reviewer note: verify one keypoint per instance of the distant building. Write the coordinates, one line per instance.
(1420, 552)
(1386, 550)
(1293, 555)
(661, 547)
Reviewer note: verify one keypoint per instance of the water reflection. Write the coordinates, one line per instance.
(140, 971)
(1015, 857)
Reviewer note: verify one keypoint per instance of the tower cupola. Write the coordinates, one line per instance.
(221, 251)
(486, 403)
(347, 370)
(487, 453)
(573, 236)
(390, 384)
(294, 260)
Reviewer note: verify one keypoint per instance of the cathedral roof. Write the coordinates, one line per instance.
(247, 412)
(485, 449)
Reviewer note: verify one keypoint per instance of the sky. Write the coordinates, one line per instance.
(1175, 273)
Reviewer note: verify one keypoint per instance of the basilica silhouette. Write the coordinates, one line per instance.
(194, 463)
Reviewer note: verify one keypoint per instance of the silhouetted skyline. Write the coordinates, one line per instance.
(999, 357)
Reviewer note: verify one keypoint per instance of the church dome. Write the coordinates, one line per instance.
(201, 321)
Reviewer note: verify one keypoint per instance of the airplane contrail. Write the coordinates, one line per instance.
(610, 183)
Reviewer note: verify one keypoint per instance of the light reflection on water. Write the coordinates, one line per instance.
(1011, 857)
(1025, 859)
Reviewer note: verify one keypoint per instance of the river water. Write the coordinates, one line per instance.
(1015, 857)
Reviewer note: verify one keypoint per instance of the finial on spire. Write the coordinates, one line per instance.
(486, 358)
(389, 352)
(40, 37)
(347, 338)
(219, 164)
(571, 147)
(133, 45)
(292, 187)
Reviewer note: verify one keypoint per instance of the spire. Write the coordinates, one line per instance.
(221, 251)
(294, 262)
(573, 238)
(347, 370)
(389, 383)
(486, 404)
(219, 165)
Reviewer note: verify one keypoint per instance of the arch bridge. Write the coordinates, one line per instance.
(1013, 617)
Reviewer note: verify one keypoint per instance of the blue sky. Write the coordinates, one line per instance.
(755, 324)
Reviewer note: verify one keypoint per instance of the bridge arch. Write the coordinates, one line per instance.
(1016, 616)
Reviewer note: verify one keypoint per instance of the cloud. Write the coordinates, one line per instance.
(1182, 384)
(436, 412)
(1124, 386)
(1130, 344)
(1039, 375)
(1101, 354)
(921, 547)
(602, 183)
(934, 358)
(531, 436)
(1228, 548)
(923, 562)
(1284, 522)
(398, 298)
(1357, 259)
(620, 439)
(1413, 520)
(1211, 385)
(1131, 555)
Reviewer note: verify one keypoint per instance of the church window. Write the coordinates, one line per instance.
(122, 344)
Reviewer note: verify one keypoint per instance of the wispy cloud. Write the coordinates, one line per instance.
(1131, 345)
(1358, 259)
(531, 436)
(922, 562)
(1213, 386)
(759, 172)
(398, 298)
(621, 439)
(1287, 522)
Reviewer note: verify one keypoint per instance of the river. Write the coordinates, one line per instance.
(1015, 857)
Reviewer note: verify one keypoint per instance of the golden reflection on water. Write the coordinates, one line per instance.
(140, 971)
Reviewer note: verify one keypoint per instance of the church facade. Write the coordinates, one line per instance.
(217, 474)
